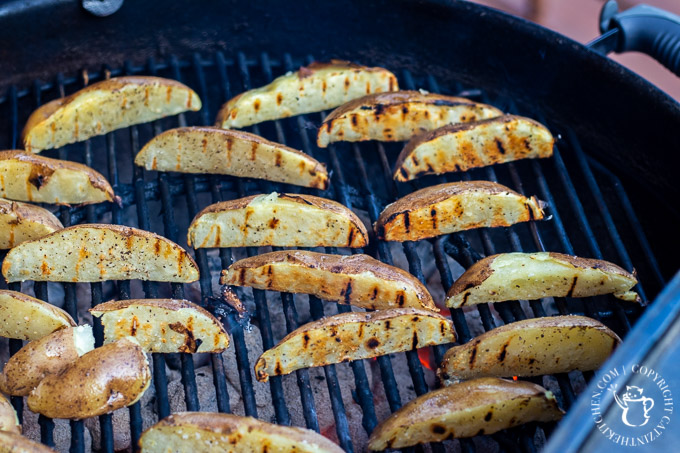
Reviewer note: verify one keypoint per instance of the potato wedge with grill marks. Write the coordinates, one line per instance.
(530, 276)
(471, 408)
(283, 220)
(353, 336)
(16, 443)
(27, 318)
(20, 222)
(458, 206)
(313, 88)
(9, 422)
(27, 177)
(99, 252)
(357, 280)
(230, 152)
(398, 116)
(203, 432)
(531, 347)
(459, 147)
(106, 106)
(113, 376)
(162, 325)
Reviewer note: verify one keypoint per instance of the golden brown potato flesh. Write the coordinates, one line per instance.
(16, 443)
(398, 116)
(162, 325)
(47, 356)
(471, 408)
(27, 318)
(531, 347)
(9, 422)
(103, 380)
(317, 87)
(530, 276)
(231, 152)
(106, 106)
(347, 279)
(39, 179)
(459, 147)
(99, 252)
(283, 220)
(21, 222)
(457, 206)
(203, 432)
(353, 336)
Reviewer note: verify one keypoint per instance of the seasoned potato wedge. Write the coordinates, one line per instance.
(353, 336)
(27, 318)
(49, 355)
(162, 325)
(9, 422)
(529, 276)
(16, 443)
(350, 279)
(531, 347)
(398, 116)
(98, 252)
(106, 106)
(471, 408)
(284, 220)
(459, 147)
(27, 177)
(230, 152)
(20, 222)
(204, 432)
(101, 381)
(314, 88)
(457, 206)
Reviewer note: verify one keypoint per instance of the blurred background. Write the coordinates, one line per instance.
(578, 19)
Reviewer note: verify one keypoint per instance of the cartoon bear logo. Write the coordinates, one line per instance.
(635, 406)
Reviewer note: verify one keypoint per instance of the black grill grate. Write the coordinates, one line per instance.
(574, 185)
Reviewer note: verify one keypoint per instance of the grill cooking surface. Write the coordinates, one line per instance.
(572, 184)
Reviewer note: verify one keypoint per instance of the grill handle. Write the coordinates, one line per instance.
(642, 28)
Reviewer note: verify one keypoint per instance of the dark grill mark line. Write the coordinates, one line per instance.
(414, 343)
(348, 291)
(500, 147)
(573, 286)
(407, 222)
(504, 350)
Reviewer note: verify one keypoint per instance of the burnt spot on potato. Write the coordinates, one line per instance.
(39, 175)
(488, 416)
(500, 147)
(573, 286)
(438, 429)
(504, 350)
(305, 340)
(414, 340)
(190, 344)
(372, 343)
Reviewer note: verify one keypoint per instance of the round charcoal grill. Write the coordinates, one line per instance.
(611, 176)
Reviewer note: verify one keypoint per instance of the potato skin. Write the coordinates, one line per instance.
(458, 206)
(531, 347)
(471, 408)
(357, 280)
(398, 116)
(103, 107)
(20, 222)
(530, 276)
(27, 318)
(352, 336)
(103, 380)
(459, 147)
(8, 417)
(16, 443)
(203, 432)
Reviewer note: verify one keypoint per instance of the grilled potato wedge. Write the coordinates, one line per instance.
(207, 432)
(27, 318)
(529, 276)
(162, 325)
(353, 336)
(27, 177)
(313, 88)
(98, 252)
(230, 152)
(398, 116)
(283, 220)
(16, 443)
(468, 409)
(9, 422)
(101, 381)
(49, 355)
(347, 279)
(447, 208)
(459, 147)
(20, 222)
(531, 347)
(104, 107)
